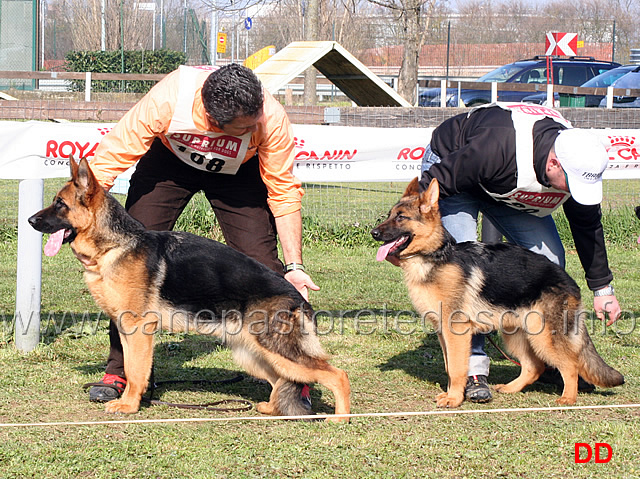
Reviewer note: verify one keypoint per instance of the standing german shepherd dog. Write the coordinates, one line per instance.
(149, 280)
(467, 288)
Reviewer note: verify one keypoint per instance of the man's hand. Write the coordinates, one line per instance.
(607, 305)
(302, 282)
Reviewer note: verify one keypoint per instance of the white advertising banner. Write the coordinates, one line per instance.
(344, 154)
(323, 153)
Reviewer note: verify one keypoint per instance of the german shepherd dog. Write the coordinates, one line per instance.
(471, 287)
(148, 280)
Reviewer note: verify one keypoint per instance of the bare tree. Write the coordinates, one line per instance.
(124, 24)
(311, 33)
(593, 21)
(413, 25)
(516, 21)
(348, 23)
(345, 21)
(279, 25)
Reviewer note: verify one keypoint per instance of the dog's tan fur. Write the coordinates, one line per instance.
(446, 288)
(118, 275)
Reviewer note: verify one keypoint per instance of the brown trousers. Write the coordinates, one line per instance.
(160, 189)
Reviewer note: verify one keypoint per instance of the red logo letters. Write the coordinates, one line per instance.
(599, 459)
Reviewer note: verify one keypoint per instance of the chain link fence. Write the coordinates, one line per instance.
(17, 39)
(342, 212)
(457, 42)
(336, 205)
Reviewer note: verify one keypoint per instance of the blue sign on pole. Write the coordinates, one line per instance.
(248, 23)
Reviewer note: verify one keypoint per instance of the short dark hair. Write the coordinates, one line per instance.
(232, 91)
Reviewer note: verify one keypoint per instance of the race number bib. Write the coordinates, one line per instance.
(214, 152)
(541, 203)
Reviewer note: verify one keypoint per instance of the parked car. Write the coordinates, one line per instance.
(572, 71)
(630, 80)
(604, 80)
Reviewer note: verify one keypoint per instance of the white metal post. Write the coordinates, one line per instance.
(153, 29)
(213, 36)
(103, 33)
(87, 86)
(609, 97)
(29, 267)
(494, 92)
(550, 100)
(443, 93)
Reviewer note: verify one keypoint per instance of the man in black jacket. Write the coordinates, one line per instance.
(517, 163)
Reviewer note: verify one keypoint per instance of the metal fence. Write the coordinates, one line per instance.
(36, 35)
(336, 205)
(342, 210)
(18, 38)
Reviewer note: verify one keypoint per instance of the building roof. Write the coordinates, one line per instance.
(340, 67)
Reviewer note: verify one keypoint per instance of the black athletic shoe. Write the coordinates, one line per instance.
(477, 389)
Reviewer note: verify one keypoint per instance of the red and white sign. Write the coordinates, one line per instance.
(322, 153)
(561, 44)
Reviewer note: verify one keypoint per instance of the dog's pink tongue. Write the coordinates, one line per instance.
(54, 243)
(383, 251)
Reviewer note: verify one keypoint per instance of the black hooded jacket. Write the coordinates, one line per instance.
(480, 149)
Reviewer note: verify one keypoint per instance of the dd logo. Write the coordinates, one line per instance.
(589, 453)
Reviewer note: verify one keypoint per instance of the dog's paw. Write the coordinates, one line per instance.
(118, 406)
(266, 408)
(449, 400)
(344, 420)
(566, 401)
(505, 389)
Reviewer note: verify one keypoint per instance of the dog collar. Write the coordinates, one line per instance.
(410, 256)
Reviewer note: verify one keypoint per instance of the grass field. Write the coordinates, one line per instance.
(367, 324)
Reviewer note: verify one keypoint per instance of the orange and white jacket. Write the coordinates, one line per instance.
(152, 116)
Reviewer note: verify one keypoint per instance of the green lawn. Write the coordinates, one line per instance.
(365, 321)
(365, 324)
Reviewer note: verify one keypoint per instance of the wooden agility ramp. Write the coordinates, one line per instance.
(338, 65)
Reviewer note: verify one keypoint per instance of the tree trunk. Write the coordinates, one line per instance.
(408, 76)
(311, 19)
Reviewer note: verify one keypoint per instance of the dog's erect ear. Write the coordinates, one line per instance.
(413, 189)
(85, 181)
(73, 166)
(429, 197)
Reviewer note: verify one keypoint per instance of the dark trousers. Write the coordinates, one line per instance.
(160, 189)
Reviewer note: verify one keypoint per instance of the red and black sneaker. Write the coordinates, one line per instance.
(109, 388)
(305, 397)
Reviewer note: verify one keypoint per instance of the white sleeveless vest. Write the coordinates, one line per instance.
(529, 196)
(204, 150)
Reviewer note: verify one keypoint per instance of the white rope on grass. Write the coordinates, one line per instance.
(441, 412)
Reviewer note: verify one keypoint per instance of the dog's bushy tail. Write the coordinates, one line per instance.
(290, 401)
(593, 368)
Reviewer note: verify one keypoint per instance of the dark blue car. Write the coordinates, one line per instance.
(604, 80)
(573, 71)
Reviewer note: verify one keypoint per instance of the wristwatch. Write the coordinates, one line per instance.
(293, 267)
(606, 291)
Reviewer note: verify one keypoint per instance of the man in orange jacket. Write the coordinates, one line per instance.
(216, 131)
